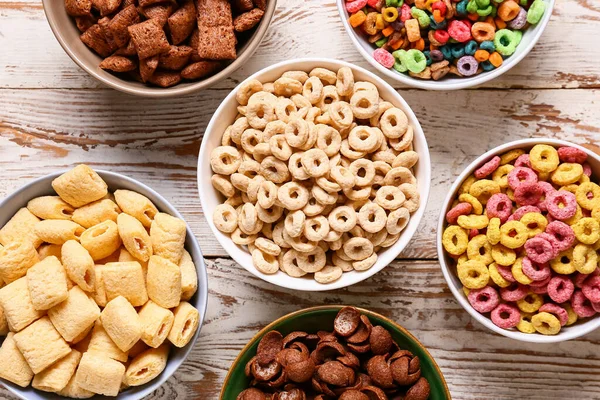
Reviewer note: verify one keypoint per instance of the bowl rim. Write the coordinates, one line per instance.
(332, 307)
(463, 83)
(201, 270)
(425, 158)
(458, 295)
(157, 92)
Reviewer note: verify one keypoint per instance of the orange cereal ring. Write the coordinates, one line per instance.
(508, 10)
(482, 55)
(483, 31)
(496, 59)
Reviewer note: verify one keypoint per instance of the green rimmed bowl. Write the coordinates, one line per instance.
(321, 318)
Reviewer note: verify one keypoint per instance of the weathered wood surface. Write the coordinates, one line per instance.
(52, 116)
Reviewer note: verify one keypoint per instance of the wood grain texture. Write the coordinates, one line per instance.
(562, 58)
(53, 116)
(157, 142)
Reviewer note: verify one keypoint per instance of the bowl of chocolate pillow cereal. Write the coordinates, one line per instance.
(158, 48)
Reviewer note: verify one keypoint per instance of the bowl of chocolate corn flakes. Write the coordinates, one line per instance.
(157, 48)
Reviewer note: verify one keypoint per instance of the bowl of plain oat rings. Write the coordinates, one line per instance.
(314, 174)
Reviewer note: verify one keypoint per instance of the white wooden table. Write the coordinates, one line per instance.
(53, 116)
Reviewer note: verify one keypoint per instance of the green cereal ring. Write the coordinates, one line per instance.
(398, 66)
(414, 60)
(536, 12)
(472, 7)
(482, 3)
(484, 12)
(505, 42)
(420, 16)
(518, 36)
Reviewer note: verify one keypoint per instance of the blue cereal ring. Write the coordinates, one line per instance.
(447, 52)
(488, 46)
(487, 66)
(458, 50)
(471, 48)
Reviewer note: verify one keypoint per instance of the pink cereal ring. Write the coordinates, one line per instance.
(560, 289)
(582, 305)
(528, 194)
(514, 292)
(534, 271)
(354, 6)
(591, 289)
(484, 300)
(553, 242)
(556, 310)
(499, 206)
(539, 289)
(505, 272)
(473, 232)
(505, 316)
(521, 175)
(518, 214)
(487, 168)
(405, 14)
(547, 188)
(457, 211)
(561, 204)
(539, 250)
(580, 278)
(596, 306)
(563, 234)
(460, 31)
(571, 155)
(384, 57)
(541, 283)
(523, 161)
(373, 3)
(587, 169)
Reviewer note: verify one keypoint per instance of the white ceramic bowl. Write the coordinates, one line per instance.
(530, 38)
(567, 332)
(42, 187)
(211, 198)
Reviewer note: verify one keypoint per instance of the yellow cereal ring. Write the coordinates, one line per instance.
(513, 234)
(587, 230)
(534, 222)
(510, 193)
(493, 231)
(546, 323)
(517, 271)
(525, 324)
(500, 176)
(575, 218)
(473, 221)
(570, 188)
(467, 198)
(511, 156)
(566, 174)
(585, 258)
(473, 274)
(543, 158)
(582, 195)
(544, 176)
(483, 189)
(531, 303)
(572, 315)
(462, 259)
(563, 263)
(466, 185)
(455, 240)
(496, 277)
(480, 249)
(596, 213)
(503, 255)
(466, 291)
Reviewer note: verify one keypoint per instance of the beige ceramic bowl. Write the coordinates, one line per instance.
(67, 34)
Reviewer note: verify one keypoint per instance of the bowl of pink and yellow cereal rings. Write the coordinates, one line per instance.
(519, 240)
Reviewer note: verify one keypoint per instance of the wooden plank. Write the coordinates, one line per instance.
(561, 59)
(157, 142)
(477, 364)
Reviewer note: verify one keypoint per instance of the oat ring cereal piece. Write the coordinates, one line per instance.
(296, 168)
(329, 273)
(316, 228)
(363, 139)
(397, 221)
(328, 139)
(546, 323)
(297, 132)
(267, 194)
(342, 219)
(390, 197)
(239, 237)
(330, 96)
(289, 264)
(358, 248)
(259, 113)
(248, 220)
(312, 261)
(372, 217)
(279, 147)
(413, 199)
(293, 196)
(343, 176)
(345, 82)
(270, 214)
(484, 300)
(325, 75)
(267, 246)
(300, 243)
(225, 160)
(274, 170)
(315, 162)
(341, 115)
(363, 171)
(265, 263)
(294, 223)
(287, 87)
(364, 103)
(225, 218)
(394, 123)
(313, 90)
(247, 89)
